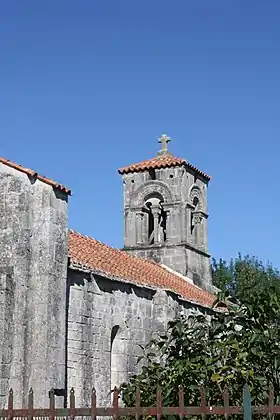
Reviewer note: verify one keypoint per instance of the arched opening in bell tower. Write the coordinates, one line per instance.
(195, 204)
(156, 218)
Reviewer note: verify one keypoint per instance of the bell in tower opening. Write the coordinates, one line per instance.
(165, 208)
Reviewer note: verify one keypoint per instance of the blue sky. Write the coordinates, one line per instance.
(87, 86)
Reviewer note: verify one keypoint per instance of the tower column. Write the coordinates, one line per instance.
(156, 211)
(167, 210)
(139, 227)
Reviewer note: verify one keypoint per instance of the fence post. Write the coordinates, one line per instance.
(181, 402)
(93, 404)
(30, 404)
(116, 403)
(52, 404)
(137, 403)
(203, 402)
(10, 404)
(159, 404)
(247, 404)
(226, 401)
(271, 402)
(72, 404)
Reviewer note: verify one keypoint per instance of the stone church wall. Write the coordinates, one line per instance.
(106, 323)
(33, 270)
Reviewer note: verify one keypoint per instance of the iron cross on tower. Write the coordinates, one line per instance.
(164, 139)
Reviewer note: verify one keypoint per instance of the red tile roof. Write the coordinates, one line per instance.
(89, 253)
(161, 161)
(32, 173)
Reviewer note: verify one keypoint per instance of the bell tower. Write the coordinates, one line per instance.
(165, 214)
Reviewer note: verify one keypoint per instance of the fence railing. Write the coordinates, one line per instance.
(116, 411)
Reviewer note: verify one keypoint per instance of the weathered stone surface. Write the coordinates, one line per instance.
(108, 320)
(33, 270)
(183, 196)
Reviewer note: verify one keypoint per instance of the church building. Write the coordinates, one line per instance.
(74, 310)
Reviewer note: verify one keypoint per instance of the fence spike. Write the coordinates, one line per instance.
(72, 397)
(51, 392)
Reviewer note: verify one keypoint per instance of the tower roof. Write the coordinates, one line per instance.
(159, 162)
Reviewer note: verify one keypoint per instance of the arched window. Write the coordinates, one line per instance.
(156, 219)
(195, 204)
(118, 357)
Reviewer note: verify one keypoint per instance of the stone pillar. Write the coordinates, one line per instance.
(139, 228)
(167, 212)
(188, 225)
(198, 228)
(129, 232)
(145, 223)
(156, 211)
(167, 209)
(183, 224)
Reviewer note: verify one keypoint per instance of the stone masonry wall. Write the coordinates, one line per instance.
(107, 321)
(33, 271)
(173, 256)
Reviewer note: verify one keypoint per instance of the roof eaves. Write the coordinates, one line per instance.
(90, 270)
(180, 162)
(198, 171)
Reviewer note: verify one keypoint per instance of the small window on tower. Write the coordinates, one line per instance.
(152, 173)
(195, 202)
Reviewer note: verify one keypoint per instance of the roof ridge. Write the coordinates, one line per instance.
(157, 157)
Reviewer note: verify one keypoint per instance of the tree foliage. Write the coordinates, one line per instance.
(230, 348)
(243, 277)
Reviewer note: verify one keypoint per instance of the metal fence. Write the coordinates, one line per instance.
(247, 411)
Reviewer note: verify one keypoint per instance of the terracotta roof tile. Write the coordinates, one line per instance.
(92, 254)
(161, 161)
(32, 173)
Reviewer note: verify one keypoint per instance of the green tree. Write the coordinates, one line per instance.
(230, 348)
(243, 277)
